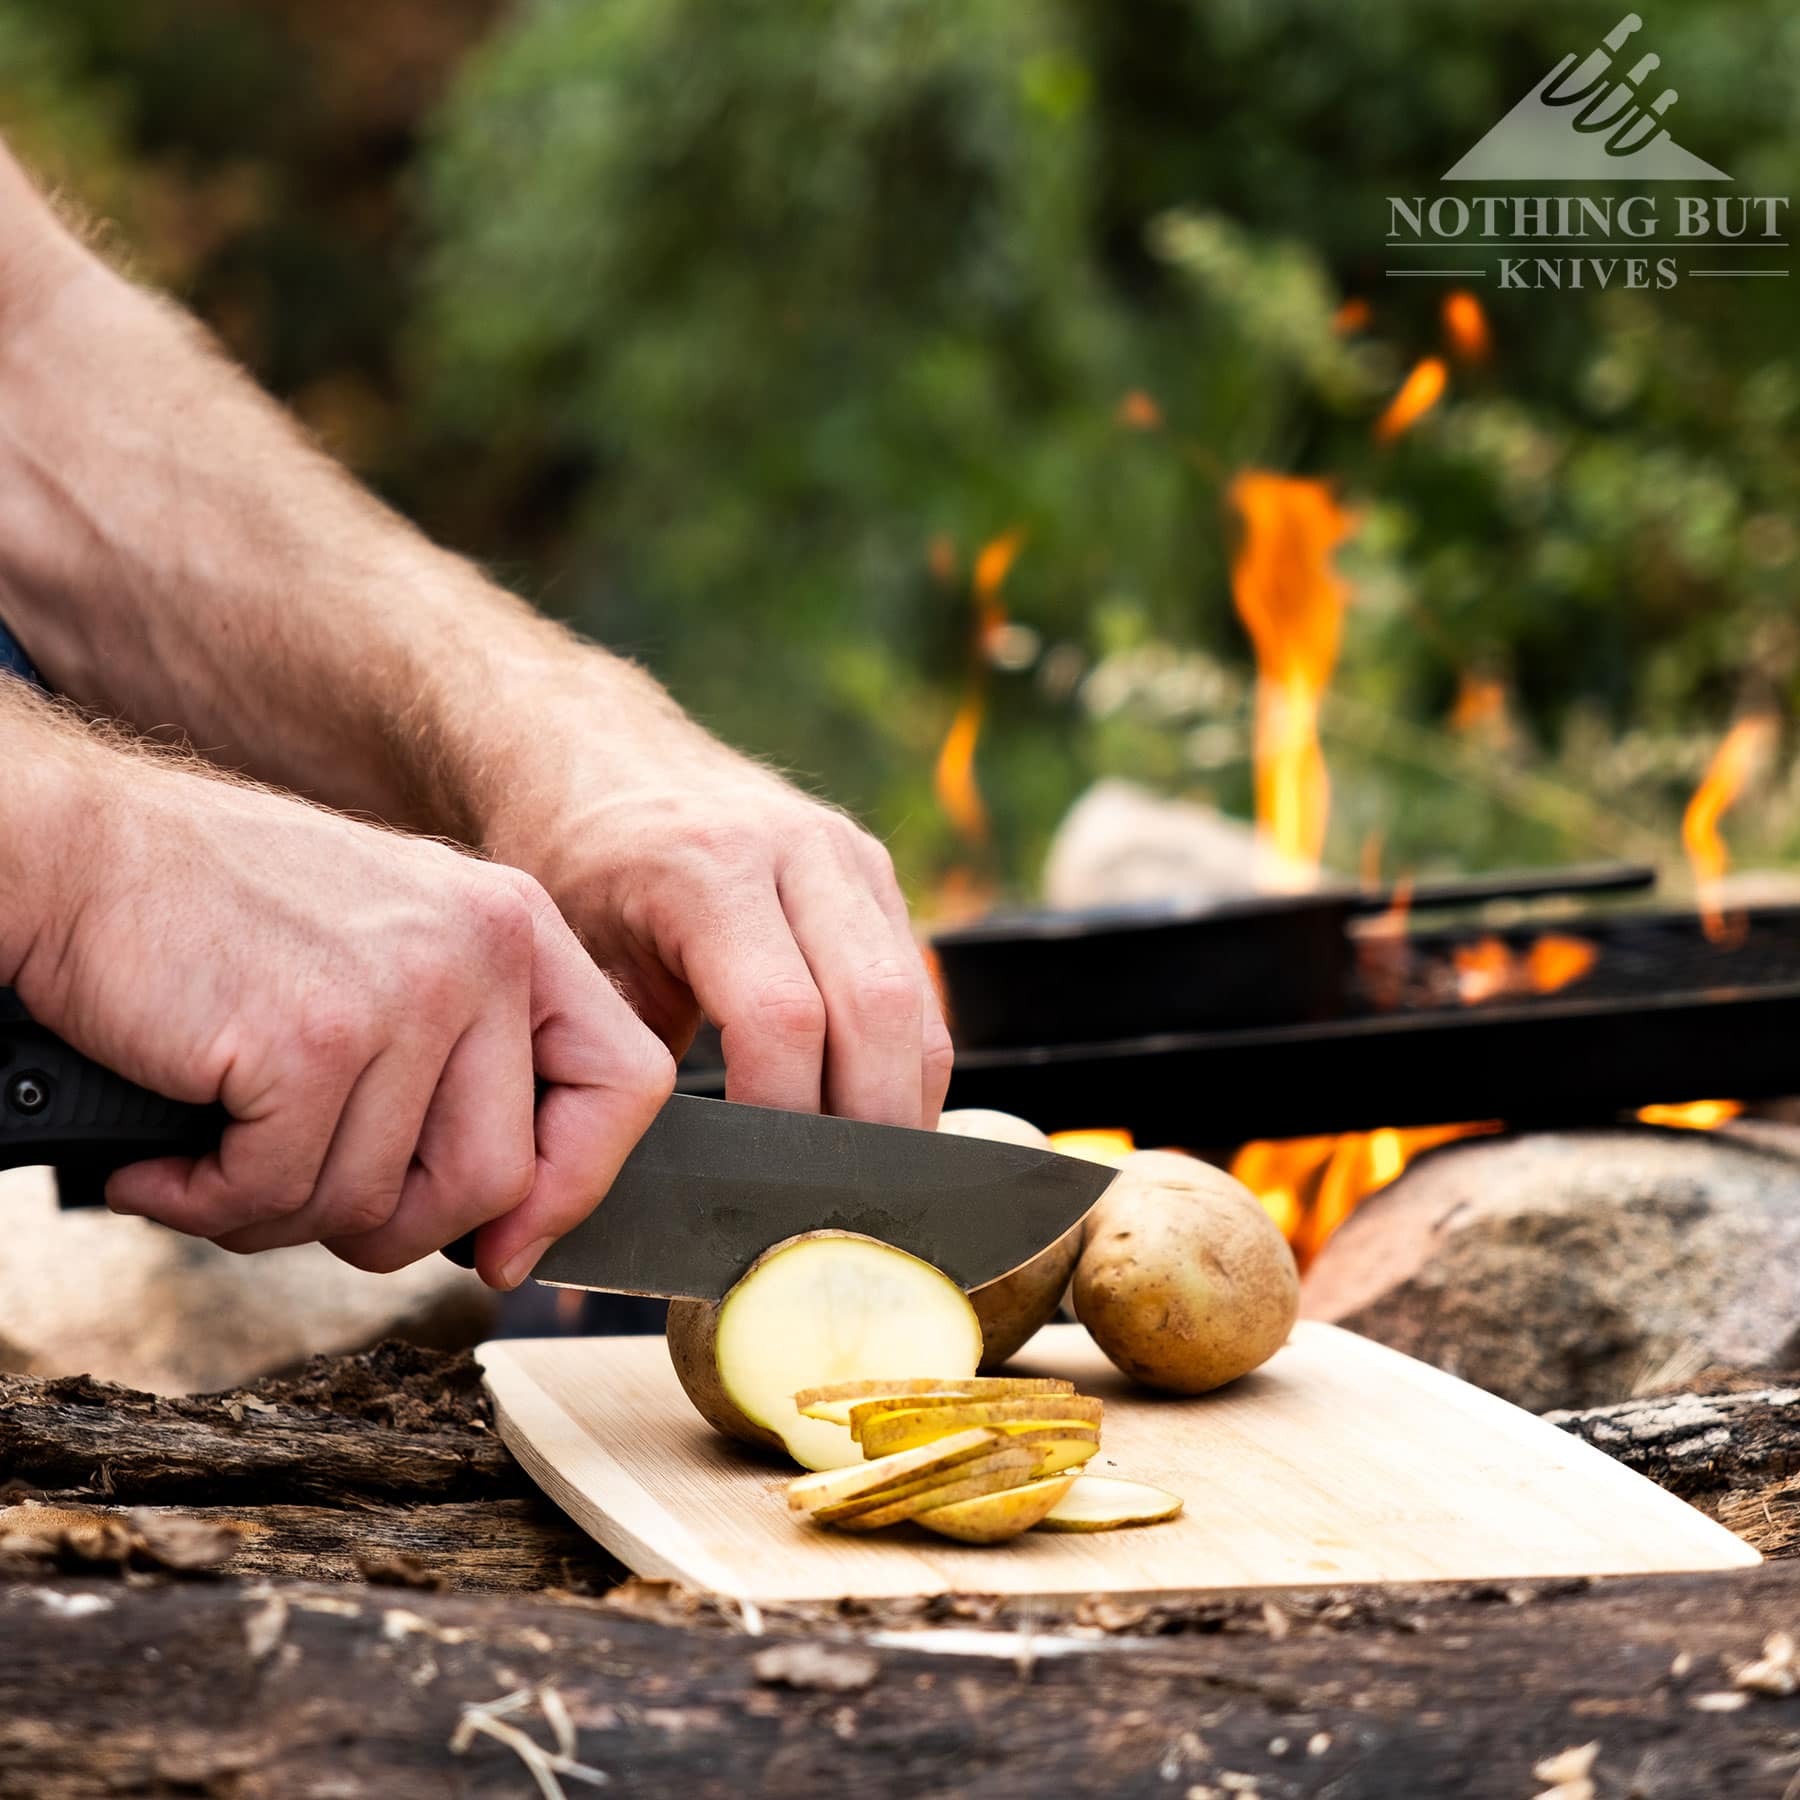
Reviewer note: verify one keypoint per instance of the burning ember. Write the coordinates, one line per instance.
(1480, 711)
(1692, 1115)
(1742, 753)
(1138, 412)
(1419, 393)
(1488, 968)
(1466, 326)
(1292, 604)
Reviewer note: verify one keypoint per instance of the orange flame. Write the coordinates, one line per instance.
(1351, 317)
(1487, 968)
(958, 791)
(1419, 393)
(1692, 1115)
(1292, 604)
(1138, 412)
(1480, 709)
(1309, 1186)
(1466, 326)
(954, 780)
(1746, 745)
(1101, 1146)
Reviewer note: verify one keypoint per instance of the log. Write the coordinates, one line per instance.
(208, 1687)
(1736, 1456)
(381, 1461)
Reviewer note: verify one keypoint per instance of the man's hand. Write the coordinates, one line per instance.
(707, 884)
(373, 1011)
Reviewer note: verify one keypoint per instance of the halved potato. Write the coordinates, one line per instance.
(824, 1307)
(1014, 1308)
(1104, 1502)
(995, 1518)
(828, 1487)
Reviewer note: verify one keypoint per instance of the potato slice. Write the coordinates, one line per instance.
(834, 1403)
(828, 1487)
(1104, 1502)
(1006, 1456)
(1016, 1466)
(865, 1413)
(1057, 1449)
(823, 1307)
(930, 1500)
(888, 1432)
(994, 1518)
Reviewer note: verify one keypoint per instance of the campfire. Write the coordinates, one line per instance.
(1291, 598)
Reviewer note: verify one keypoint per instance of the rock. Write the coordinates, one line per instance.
(1575, 1269)
(1120, 843)
(85, 1292)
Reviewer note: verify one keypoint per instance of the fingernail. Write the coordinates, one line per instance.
(522, 1264)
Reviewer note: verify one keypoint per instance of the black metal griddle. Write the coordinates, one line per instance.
(1056, 977)
(1665, 1015)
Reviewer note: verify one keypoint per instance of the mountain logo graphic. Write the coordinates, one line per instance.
(1588, 123)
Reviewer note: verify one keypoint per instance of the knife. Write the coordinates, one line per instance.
(709, 1187)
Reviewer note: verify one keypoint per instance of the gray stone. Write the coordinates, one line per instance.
(86, 1292)
(1120, 843)
(1575, 1269)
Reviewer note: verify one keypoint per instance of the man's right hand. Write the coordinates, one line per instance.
(373, 1011)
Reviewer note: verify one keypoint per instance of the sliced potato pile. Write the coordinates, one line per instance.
(978, 1458)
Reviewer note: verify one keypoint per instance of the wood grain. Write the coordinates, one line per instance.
(1339, 1461)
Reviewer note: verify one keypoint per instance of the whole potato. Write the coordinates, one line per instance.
(1184, 1281)
(1013, 1309)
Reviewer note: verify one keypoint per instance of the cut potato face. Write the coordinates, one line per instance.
(830, 1307)
(888, 1432)
(1104, 1502)
(828, 1487)
(836, 1403)
(994, 1518)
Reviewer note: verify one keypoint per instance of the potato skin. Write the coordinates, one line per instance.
(692, 1337)
(1184, 1282)
(1015, 1308)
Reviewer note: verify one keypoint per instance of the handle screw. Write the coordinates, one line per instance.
(28, 1093)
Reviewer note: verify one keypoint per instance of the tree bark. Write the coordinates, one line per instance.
(208, 1687)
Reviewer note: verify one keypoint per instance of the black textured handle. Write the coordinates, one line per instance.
(58, 1107)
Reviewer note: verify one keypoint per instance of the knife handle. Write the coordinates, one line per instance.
(60, 1108)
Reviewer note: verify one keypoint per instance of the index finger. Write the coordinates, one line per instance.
(605, 1076)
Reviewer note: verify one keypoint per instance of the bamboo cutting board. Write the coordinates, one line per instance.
(1337, 1461)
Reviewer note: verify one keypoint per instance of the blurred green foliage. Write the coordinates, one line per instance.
(731, 333)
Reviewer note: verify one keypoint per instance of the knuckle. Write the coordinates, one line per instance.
(501, 916)
(789, 1008)
(885, 993)
(328, 1035)
(357, 1210)
(937, 1051)
(653, 1078)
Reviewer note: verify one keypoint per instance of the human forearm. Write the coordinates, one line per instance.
(174, 552)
